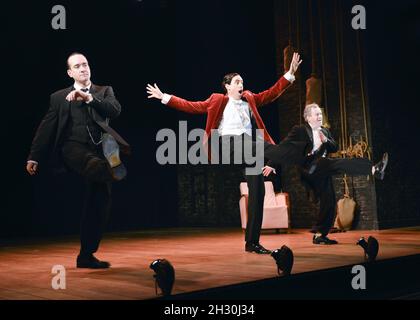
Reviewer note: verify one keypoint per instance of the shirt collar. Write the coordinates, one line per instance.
(239, 101)
(79, 87)
(314, 128)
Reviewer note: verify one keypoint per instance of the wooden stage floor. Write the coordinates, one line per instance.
(202, 258)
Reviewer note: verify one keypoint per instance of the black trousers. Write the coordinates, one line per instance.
(88, 161)
(256, 188)
(283, 154)
(321, 182)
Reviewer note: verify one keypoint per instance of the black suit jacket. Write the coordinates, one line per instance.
(303, 134)
(302, 137)
(49, 134)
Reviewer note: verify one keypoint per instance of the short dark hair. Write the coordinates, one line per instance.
(71, 55)
(227, 79)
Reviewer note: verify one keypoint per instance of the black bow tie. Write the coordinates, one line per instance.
(85, 89)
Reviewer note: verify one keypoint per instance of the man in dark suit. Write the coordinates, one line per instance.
(314, 142)
(72, 132)
(235, 115)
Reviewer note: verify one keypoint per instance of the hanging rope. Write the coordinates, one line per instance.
(343, 82)
(290, 22)
(298, 49)
(321, 38)
(311, 30)
(340, 71)
(362, 88)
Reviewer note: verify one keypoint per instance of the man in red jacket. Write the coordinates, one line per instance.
(235, 115)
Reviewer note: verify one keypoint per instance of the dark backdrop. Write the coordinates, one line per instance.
(393, 51)
(186, 47)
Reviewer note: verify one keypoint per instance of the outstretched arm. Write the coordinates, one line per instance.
(281, 85)
(176, 102)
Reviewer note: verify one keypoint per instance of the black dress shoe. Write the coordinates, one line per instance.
(91, 262)
(256, 247)
(380, 167)
(323, 240)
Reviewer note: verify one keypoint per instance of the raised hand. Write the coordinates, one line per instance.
(154, 92)
(294, 65)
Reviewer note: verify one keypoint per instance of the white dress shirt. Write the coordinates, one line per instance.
(79, 87)
(317, 139)
(236, 119)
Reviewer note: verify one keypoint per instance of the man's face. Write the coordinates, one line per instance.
(79, 68)
(315, 118)
(236, 87)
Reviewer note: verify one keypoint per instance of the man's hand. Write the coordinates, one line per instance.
(31, 167)
(79, 95)
(154, 92)
(267, 170)
(294, 65)
(322, 137)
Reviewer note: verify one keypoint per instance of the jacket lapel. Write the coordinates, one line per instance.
(65, 105)
(325, 132)
(256, 120)
(220, 110)
(93, 90)
(310, 134)
(63, 113)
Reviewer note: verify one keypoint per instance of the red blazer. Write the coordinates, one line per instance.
(216, 103)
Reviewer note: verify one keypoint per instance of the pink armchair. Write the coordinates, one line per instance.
(276, 208)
